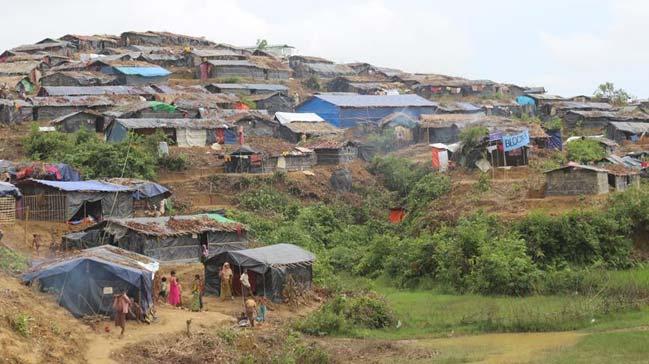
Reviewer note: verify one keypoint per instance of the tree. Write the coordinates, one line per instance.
(608, 91)
(262, 44)
(585, 150)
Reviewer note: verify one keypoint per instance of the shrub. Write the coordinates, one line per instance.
(11, 262)
(503, 267)
(312, 83)
(585, 150)
(264, 200)
(484, 184)
(174, 163)
(342, 315)
(21, 324)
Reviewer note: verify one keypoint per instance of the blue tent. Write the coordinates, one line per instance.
(86, 282)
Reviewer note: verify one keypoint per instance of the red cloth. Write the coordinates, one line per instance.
(220, 136)
(174, 292)
(205, 69)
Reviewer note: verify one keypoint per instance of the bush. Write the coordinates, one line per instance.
(343, 315)
(263, 200)
(398, 174)
(11, 262)
(585, 150)
(174, 163)
(92, 156)
(503, 267)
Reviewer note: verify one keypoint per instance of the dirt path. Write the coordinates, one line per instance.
(101, 344)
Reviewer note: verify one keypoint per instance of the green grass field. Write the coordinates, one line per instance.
(600, 348)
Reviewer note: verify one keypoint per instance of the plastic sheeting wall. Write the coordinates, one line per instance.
(191, 137)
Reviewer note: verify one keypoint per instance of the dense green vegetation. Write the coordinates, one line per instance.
(585, 150)
(12, 262)
(136, 157)
(540, 273)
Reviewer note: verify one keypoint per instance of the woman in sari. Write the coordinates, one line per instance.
(226, 281)
(174, 290)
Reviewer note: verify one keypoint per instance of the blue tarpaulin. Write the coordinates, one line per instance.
(143, 71)
(230, 136)
(85, 283)
(7, 189)
(68, 173)
(554, 142)
(149, 190)
(525, 100)
(78, 186)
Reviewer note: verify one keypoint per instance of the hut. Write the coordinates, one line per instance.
(623, 131)
(77, 78)
(147, 195)
(167, 238)
(17, 85)
(246, 89)
(75, 201)
(60, 48)
(333, 152)
(403, 127)
(362, 85)
(245, 159)
(181, 132)
(620, 177)
(8, 196)
(86, 281)
(254, 123)
(93, 43)
(269, 269)
(15, 111)
(163, 60)
(271, 102)
(252, 68)
(322, 70)
(105, 90)
(351, 110)
(131, 72)
(295, 127)
(575, 179)
(52, 107)
(198, 56)
(30, 69)
(151, 38)
(87, 119)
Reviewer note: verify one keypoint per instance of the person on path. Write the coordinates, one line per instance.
(164, 289)
(121, 306)
(251, 311)
(197, 293)
(226, 281)
(245, 284)
(174, 290)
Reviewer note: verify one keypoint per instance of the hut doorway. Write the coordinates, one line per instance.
(89, 208)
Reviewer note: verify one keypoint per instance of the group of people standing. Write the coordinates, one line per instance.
(171, 291)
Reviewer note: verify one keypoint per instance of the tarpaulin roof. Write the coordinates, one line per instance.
(98, 90)
(143, 189)
(176, 225)
(81, 186)
(172, 123)
(376, 100)
(250, 86)
(289, 117)
(272, 255)
(143, 71)
(7, 189)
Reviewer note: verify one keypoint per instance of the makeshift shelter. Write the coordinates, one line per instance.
(15, 111)
(175, 238)
(322, 70)
(350, 110)
(575, 179)
(76, 78)
(622, 131)
(144, 91)
(269, 268)
(245, 159)
(52, 107)
(182, 132)
(246, 89)
(74, 201)
(254, 123)
(148, 195)
(403, 126)
(86, 281)
(131, 72)
(334, 152)
(87, 119)
(8, 196)
(17, 85)
(271, 102)
(294, 131)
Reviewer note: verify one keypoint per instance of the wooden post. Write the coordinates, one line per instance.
(26, 218)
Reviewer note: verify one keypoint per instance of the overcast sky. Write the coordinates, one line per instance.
(568, 46)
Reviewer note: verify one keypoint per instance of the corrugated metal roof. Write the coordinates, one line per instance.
(172, 123)
(143, 71)
(635, 128)
(577, 166)
(231, 62)
(376, 100)
(290, 117)
(60, 119)
(250, 86)
(98, 90)
(82, 186)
